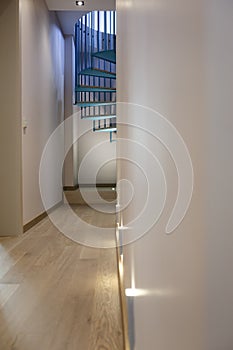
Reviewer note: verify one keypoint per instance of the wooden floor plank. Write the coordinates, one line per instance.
(106, 330)
(56, 294)
(6, 291)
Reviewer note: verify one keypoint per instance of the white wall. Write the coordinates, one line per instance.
(87, 140)
(10, 130)
(102, 158)
(42, 96)
(176, 57)
(71, 161)
(219, 173)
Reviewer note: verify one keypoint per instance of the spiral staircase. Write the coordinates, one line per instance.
(95, 91)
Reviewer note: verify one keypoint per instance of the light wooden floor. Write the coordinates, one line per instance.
(56, 294)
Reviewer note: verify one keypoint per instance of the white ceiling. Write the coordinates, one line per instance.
(68, 13)
(68, 19)
(90, 5)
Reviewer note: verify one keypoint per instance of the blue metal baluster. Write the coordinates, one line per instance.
(105, 32)
(86, 61)
(109, 47)
(82, 65)
(98, 49)
(89, 39)
(80, 54)
(81, 59)
(105, 49)
(114, 27)
(85, 44)
(114, 48)
(91, 58)
(109, 29)
(76, 60)
(89, 53)
(111, 36)
(92, 38)
(92, 51)
(98, 31)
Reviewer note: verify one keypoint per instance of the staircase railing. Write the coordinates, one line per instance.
(96, 69)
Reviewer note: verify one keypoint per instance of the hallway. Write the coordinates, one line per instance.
(56, 294)
(127, 105)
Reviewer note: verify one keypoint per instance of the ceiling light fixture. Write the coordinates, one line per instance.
(80, 3)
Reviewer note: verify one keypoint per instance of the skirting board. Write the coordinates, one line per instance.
(70, 188)
(74, 188)
(123, 303)
(40, 217)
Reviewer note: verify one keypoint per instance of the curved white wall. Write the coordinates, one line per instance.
(102, 158)
(176, 57)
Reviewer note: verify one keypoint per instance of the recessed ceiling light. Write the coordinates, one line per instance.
(80, 3)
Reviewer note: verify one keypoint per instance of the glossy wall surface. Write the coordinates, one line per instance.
(175, 57)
